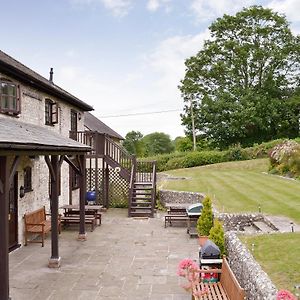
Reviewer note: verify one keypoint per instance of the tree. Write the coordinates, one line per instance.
(183, 144)
(157, 143)
(206, 219)
(133, 143)
(239, 84)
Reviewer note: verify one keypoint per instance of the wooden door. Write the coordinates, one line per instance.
(13, 213)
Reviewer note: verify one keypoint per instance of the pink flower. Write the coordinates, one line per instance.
(189, 269)
(285, 295)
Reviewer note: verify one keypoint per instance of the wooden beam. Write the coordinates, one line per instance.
(4, 199)
(54, 261)
(1, 187)
(82, 185)
(80, 164)
(50, 167)
(13, 169)
(74, 167)
(61, 160)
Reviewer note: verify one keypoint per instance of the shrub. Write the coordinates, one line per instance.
(216, 234)
(205, 221)
(237, 153)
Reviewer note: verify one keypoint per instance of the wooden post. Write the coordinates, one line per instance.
(4, 196)
(106, 184)
(96, 180)
(54, 261)
(82, 185)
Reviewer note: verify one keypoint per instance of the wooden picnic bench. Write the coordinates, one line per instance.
(75, 219)
(175, 218)
(36, 223)
(227, 288)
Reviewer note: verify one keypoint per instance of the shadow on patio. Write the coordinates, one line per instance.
(124, 258)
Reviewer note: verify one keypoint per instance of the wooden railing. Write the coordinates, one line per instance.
(118, 154)
(144, 171)
(131, 186)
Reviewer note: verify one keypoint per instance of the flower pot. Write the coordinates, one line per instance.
(202, 239)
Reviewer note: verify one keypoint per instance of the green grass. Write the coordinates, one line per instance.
(241, 187)
(278, 255)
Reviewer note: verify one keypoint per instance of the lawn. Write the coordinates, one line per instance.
(278, 255)
(241, 187)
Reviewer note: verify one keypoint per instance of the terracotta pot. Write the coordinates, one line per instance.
(202, 239)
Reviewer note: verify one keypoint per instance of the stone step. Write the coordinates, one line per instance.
(263, 226)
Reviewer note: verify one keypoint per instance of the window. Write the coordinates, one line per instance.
(9, 97)
(74, 179)
(28, 179)
(51, 112)
(73, 133)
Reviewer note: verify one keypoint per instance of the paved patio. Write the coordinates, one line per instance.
(124, 258)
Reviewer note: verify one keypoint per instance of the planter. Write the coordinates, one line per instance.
(202, 239)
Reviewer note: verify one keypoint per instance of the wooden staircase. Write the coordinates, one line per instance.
(142, 189)
(141, 175)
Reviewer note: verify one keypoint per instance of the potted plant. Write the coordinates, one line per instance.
(216, 234)
(205, 221)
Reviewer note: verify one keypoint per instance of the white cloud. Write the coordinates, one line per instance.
(168, 58)
(290, 8)
(208, 10)
(119, 8)
(154, 5)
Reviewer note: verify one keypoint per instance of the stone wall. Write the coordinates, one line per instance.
(33, 111)
(251, 277)
(168, 196)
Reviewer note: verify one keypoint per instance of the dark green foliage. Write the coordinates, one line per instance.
(243, 83)
(157, 143)
(205, 221)
(133, 144)
(183, 144)
(216, 234)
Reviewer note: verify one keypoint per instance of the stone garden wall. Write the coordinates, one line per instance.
(167, 196)
(252, 278)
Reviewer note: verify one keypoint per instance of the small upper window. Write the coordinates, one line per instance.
(51, 112)
(28, 179)
(9, 97)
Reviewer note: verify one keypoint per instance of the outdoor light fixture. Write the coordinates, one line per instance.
(79, 116)
(22, 191)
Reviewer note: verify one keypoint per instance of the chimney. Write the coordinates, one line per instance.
(51, 75)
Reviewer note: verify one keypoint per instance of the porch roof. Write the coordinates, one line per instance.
(20, 136)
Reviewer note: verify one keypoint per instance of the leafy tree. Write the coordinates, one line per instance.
(240, 83)
(216, 234)
(133, 143)
(157, 143)
(183, 144)
(206, 219)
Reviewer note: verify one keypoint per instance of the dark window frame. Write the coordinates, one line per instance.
(74, 179)
(28, 180)
(51, 112)
(12, 101)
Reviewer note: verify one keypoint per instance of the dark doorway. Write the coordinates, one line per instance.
(13, 214)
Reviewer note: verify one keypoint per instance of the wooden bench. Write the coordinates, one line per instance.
(36, 223)
(176, 210)
(75, 219)
(227, 288)
(175, 218)
(75, 212)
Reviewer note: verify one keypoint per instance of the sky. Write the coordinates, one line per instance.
(123, 57)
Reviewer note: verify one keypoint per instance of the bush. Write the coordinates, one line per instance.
(205, 221)
(216, 234)
(237, 153)
(194, 159)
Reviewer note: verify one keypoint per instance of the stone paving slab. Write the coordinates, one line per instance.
(124, 258)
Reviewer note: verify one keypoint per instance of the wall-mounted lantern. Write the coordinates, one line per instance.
(22, 191)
